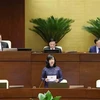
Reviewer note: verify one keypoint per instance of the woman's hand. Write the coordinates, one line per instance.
(46, 79)
(57, 80)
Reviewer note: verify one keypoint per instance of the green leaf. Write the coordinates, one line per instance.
(56, 98)
(51, 27)
(49, 96)
(41, 96)
(94, 27)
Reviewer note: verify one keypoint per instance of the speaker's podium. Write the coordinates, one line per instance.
(4, 84)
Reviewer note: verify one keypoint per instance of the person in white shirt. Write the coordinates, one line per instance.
(52, 46)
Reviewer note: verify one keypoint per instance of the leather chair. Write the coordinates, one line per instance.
(7, 41)
(98, 83)
(4, 84)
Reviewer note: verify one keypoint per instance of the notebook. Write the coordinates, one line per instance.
(76, 86)
(57, 85)
(16, 86)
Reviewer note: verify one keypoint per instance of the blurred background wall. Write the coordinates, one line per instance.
(79, 10)
(15, 16)
(12, 21)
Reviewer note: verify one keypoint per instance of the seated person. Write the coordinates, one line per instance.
(51, 70)
(52, 46)
(96, 47)
(3, 44)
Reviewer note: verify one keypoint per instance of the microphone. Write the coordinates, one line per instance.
(40, 84)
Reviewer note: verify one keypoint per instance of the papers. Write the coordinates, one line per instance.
(51, 78)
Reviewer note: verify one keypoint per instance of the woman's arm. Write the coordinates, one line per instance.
(43, 75)
(60, 76)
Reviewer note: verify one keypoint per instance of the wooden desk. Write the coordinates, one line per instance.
(67, 94)
(69, 64)
(77, 68)
(16, 67)
(24, 68)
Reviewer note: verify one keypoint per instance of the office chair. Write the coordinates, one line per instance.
(4, 84)
(7, 41)
(98, 83)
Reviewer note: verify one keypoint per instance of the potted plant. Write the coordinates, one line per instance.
(94, 27)
(55, 28)
(47, 96)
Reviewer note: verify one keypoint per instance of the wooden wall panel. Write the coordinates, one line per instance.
(87, 57)
(70, 71)
(62, 57)
(89, 73)
(36, 73)
(26, 68)
(12, 25)
(15, 56)
(17, 73)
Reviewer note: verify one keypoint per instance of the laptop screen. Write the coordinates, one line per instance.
(24, 49)
(52, 51)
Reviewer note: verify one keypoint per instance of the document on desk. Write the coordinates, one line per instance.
(51, 78)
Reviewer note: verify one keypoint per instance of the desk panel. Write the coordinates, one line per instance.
(89, 57)
(59, 57)
(17, 73)
(89, 73)
(67, 94)
(26, 68)
(15, 56)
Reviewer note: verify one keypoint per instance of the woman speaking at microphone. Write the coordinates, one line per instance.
(51, 72)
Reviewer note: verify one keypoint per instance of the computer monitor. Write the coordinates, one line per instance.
(57, 85)
(9, 49)
(24, 49)
(52, 51)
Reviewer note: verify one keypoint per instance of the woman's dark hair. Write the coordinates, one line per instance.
(49, 57)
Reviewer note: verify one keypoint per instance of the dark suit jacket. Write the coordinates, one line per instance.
(4, 45)
(48, 48)
(92, 49)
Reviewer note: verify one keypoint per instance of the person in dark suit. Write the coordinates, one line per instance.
(51, 70)
(96, 47)
(3, 44)
(52, 46)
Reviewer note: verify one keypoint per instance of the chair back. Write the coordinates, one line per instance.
(7, 41)
(4, 84)
(59, 47)
(98, 83)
